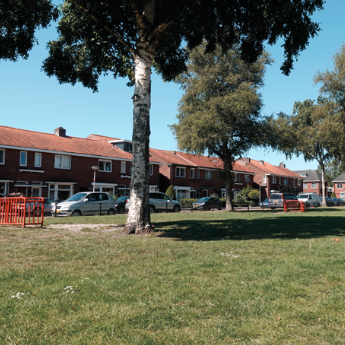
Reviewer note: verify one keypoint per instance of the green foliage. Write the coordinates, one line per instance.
(187, 202)
(170, 192)
(333, 195)
(254, 195)
(19, 19)
(333, 169)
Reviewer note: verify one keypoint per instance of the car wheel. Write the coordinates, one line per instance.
(206, 208)
(152, 209)
(76, 213)
(111, 212)
(220, 207)
(37, 212)
(176, 209)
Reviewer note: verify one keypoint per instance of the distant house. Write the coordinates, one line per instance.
(270, 178)
(339, 186)
(194, 176)
(312, 182)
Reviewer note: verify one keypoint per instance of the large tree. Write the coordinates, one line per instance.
(219, 112)
(314, 131)
(19, 19)
(127, 37)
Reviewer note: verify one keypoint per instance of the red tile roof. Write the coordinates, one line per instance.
(22, 138)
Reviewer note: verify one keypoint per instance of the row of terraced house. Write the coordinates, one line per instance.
(57, 166)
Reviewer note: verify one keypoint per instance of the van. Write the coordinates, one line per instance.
(310, 199)
(277, 199)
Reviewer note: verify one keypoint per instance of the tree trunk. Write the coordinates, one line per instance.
(323, 185)
(138, 220)
(229, 183)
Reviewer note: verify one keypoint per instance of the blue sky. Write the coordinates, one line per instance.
(30, 100)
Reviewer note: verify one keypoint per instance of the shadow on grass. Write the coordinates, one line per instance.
(245, 228)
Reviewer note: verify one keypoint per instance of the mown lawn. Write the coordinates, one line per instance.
(202, 278)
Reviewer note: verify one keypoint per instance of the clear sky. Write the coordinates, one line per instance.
(30, 100)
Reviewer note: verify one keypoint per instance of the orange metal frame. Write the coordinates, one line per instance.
(23, 211)
(294, 205)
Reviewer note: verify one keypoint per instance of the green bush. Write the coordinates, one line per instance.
(333, 195)
(187, 202)
(170, 192)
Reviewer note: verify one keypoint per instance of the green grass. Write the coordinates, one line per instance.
(280, 280)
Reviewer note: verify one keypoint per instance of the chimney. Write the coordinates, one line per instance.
(262, 162)
(60, 131)
(243, 161)
(282, 165)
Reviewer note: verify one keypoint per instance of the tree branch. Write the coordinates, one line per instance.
(107, 28)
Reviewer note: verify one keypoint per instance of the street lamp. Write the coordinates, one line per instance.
(94, 168)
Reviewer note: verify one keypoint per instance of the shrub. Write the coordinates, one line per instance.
(170, 192)
(333, 195)
(187, 202)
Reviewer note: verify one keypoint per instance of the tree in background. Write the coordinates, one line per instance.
(170, 192)
(219, 112)
(333, 169)
(19, 19)
(314, 130)
(127, 37)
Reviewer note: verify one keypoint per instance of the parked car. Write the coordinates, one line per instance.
(120, 204)
(329, 201)
(34, 207)
(160, 202)
(207, 203)
(86, 203)
(339, 201)
(310, 199)
(265, 203)
(277, 199)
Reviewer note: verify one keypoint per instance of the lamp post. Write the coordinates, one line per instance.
(94, 168)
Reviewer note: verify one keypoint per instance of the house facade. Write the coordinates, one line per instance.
(270, 178)
(195, 176)
(339, 186)
(312, 182)
(58, 166)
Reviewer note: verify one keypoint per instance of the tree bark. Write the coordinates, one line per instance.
(138, 220)
(229, 183)
(323, 185)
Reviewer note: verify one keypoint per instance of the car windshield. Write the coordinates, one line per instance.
(203, 199)
(77, 197)
(303, 196)
(122, 199)
(276, 196)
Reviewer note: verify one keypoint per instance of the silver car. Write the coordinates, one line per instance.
(85, 204)
(160, 202)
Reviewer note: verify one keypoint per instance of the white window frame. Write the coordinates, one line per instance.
(192, 173)
(54, 189)
(150, 169)
(305, 185)
(274, 180)
(208, 175)
(38, 154)
(3, 156)
(314, 185)
(180, 172)
(105, 162)
(264, 180)
(123, 168)
(339, 185)
(20, 158)
(62, 157)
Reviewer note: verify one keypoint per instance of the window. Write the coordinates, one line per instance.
(62, 162)
(150, 169)
(235, 177)
(192, 173)
(247, 178)
(298, 182)
(123, 167)
(208, 175)
(285, 180)
(314, 185)
(127, 147)
(280, 180)
(2, 156)
(198, 174)
(264, 180)
(38, 160)
(104, 166)
(130, 168)
(305, 185)
(339, 185)
(293, 181)
(274, 179)
(23, 158)
(180, 172)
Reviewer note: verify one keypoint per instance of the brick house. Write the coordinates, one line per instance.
(339, 186)
(195, 176)
(57, 165)
(270, 178)
(312, 182)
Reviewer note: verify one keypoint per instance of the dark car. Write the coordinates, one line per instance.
(329, 201)
(277, 199)
(207, 203)
(120, 204)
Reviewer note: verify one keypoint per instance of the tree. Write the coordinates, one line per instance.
(170, 192)
(219, 112)
(333, 169)
(19, 19)
(313, 130)
(126, 37)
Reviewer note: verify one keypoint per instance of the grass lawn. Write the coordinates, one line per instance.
(202, 278)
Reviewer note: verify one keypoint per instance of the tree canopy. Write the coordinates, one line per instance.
(219, 112)
(19, 19)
